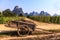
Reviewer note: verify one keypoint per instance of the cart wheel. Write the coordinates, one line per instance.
(30, 32)
(23, 31)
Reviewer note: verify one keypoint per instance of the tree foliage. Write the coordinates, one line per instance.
(8, 12)
(47, 19)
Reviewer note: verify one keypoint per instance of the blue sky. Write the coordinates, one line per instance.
(50, 6)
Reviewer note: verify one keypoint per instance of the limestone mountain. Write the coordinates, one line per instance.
(17, 10)
(34, 13)
(44, 13)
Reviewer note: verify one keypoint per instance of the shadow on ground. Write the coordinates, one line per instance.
(10, 33)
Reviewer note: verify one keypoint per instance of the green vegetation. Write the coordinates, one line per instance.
(47, 19)
(7, 15)
(6, 19)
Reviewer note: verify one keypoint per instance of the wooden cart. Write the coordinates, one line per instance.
(24, 27)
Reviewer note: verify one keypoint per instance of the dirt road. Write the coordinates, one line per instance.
(35, 37)
(4, 28)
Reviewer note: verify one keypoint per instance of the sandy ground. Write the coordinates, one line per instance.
(47, 26)
(4, 28)
(32, 36)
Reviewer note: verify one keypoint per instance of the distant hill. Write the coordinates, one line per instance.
(56, 15)
(34, 13)
(17, 10)
(44, 13)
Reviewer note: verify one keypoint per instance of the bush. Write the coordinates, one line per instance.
(6, 19)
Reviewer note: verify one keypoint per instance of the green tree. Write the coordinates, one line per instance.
(8, 12)
(1, 14)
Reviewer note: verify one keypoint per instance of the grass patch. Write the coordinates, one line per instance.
(4, 20)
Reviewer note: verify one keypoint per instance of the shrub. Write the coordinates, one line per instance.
(6, 19)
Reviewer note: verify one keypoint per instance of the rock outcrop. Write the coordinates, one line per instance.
(18, 10)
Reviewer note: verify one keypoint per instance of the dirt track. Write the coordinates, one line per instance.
(35, 37)
(4, 28)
